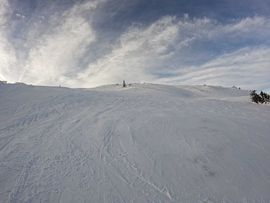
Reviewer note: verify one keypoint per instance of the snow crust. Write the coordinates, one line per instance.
(143, 143)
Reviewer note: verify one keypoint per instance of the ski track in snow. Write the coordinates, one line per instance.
(144, 143)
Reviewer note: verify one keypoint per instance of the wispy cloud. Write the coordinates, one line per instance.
(57, 55)
(248, 68)
(174, 50)
(135, 53)
(142, 52)
(7, 53)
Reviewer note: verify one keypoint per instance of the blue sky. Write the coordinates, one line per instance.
(80, 43)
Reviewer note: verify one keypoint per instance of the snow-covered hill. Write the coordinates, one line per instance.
(144, 143)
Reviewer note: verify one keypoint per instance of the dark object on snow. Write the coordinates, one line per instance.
(265, 97)
(255, 97)
(234, 87)
(259, 98)
(3, 82)
(124, 84)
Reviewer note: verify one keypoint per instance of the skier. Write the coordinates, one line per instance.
(124, 83)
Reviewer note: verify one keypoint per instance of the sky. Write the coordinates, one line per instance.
(88, 43)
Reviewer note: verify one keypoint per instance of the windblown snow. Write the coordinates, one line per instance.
(143, 143)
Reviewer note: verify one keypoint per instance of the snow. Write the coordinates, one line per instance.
(143, 143)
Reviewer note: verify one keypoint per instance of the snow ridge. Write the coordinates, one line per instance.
(142, 143)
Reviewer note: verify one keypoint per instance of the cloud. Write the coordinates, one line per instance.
(247, 67)
(7, 53)
(56, 56)
(146, 53)
(60, 49)
(51, 54)
(136, 52)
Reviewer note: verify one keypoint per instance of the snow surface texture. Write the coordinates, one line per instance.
(143, 143)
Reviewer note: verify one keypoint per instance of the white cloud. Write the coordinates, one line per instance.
(143, 53)
(54, 59)
(138, 50)
(53, 56)
(248, 24)
(144, 50)
(58, 54)
(248, 68)
(7, 53)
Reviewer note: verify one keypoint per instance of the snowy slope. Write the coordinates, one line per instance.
(144, 143)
